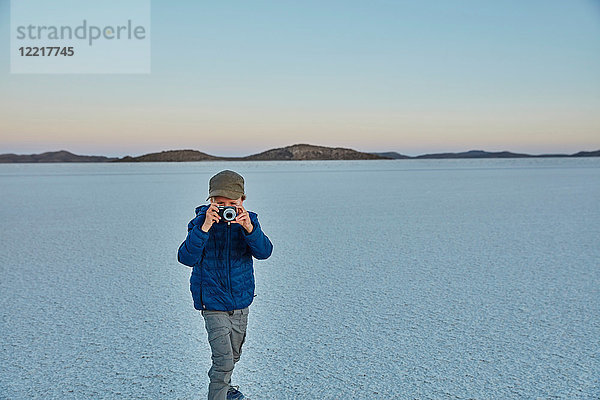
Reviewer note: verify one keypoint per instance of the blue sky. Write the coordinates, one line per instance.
(237, 77)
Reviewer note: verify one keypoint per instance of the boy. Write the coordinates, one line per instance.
(222, 282)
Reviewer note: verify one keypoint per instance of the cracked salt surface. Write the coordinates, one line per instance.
(409, 279)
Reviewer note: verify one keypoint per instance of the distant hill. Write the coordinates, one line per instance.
(393, 155)
(504, 154)
(310, 152)
(171, 155)
(51, 157)
(476, 154)
(586, 154)
(293, 152)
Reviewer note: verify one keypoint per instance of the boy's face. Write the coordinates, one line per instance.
(224, 201)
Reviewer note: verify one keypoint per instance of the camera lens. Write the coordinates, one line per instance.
(229, 214)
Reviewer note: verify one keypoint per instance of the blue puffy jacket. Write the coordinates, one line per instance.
(221, 259)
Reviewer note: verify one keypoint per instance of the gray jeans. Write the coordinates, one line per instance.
(226, 335)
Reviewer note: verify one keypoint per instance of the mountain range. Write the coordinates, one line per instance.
(293, 152)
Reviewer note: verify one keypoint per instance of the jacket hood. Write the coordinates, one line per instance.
(201, 209)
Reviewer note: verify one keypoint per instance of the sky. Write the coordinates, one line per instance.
(233, 78)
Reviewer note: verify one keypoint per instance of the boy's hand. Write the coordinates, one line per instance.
(212, 216)
(243, 219)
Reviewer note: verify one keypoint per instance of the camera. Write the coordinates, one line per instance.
(228, 213)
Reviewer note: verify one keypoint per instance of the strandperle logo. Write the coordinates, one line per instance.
(80, 36)
(89, 33)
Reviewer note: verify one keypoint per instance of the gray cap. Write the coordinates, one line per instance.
(226, 183)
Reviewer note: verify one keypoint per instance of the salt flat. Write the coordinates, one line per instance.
(407, 279)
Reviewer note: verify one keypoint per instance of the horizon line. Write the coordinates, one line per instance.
(298, 144)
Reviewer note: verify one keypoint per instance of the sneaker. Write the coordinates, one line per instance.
(234, 394)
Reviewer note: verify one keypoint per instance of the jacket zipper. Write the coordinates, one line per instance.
(229, 261)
